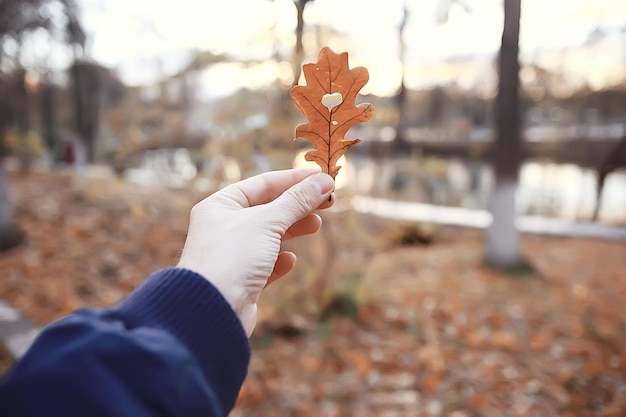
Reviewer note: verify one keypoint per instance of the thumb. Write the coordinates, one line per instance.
(301, 199)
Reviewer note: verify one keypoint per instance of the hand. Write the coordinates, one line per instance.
(235, 234)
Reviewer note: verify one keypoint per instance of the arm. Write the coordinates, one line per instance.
(173, 347)
(177, 344)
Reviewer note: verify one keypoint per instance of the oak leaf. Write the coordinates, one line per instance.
(328, 102)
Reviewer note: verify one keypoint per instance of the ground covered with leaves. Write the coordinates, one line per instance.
(370, 323)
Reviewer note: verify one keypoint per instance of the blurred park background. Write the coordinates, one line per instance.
(474, 263)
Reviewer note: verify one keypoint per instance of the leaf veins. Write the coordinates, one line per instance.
(328, 102)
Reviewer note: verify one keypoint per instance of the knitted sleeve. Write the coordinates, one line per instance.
(172, 347)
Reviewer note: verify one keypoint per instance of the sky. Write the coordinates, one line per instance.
(147, 39)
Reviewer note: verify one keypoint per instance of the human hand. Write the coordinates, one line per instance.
(235, 234)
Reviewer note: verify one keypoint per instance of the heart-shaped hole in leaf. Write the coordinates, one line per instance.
(332, 100)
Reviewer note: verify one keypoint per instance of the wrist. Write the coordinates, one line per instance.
(234, 295)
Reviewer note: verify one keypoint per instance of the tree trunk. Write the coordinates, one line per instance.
(22, 102)
(503, 239)
(49, 122)
(400, 146)
(616, 159)
(598, 203)
(298, 54)
(10, 234)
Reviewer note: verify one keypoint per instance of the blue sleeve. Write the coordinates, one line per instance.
(173, 347)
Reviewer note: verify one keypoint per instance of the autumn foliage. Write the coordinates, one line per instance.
(328, 102)
(436, 333)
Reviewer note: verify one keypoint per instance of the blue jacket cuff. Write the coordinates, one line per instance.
(186, 305)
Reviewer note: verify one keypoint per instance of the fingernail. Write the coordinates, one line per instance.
(324, 182)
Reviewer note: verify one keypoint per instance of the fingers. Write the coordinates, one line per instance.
(284, 264)
(309, 224)
(299, 201)
(306, 226)
(328, 202)
(264, 188)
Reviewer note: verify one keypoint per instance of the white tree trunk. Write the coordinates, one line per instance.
(502, 248)
(80, 166)
(503, 238)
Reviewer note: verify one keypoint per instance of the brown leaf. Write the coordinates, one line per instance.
(359, 361)
(431, 382)
(504, 339)
(310, 363)
(328, 102)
